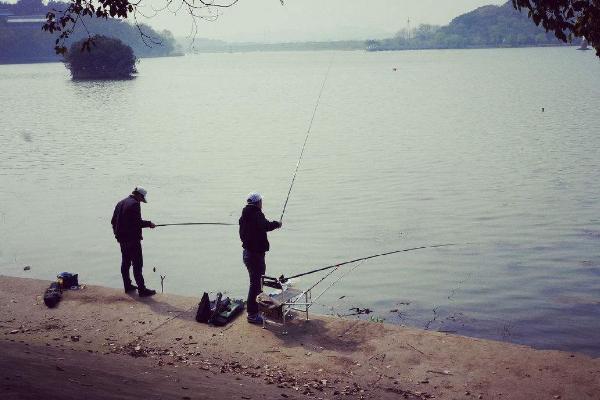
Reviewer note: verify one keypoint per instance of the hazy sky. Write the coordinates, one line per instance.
(299, 20)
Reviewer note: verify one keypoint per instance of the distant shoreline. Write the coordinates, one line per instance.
(52, 60)
(26, 62)
(477, 47)
(276, 50)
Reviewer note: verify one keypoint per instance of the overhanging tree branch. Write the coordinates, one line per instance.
(65, 21)
(566, 18)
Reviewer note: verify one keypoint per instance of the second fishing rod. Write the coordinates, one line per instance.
(295, 170)
(305, 141)
(284, 279)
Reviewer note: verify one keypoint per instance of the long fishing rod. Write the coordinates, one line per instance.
(305, 140)
(196, 223)
(283, 279)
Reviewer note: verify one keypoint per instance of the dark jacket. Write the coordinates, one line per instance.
(127, 222)
(253, 229)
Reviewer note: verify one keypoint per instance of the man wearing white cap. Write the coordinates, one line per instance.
(253, 233)
(127, 224)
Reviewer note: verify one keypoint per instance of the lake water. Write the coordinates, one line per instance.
(453, 146)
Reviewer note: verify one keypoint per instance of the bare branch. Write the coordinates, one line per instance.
(65, 21)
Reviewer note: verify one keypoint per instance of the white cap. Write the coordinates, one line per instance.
(253, 198)
(142, 192)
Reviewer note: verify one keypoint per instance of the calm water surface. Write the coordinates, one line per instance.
(452, 147)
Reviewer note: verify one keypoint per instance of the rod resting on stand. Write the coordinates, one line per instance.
(284, 279)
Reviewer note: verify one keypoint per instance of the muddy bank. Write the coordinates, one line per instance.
(99, 338)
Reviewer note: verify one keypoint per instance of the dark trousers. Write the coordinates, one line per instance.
(255, 263)
(131, 254)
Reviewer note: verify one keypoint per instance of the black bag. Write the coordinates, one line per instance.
(228, 310)
(218, 312)
(203, 313)
(68, 280)
(215, 308)
(52, 295)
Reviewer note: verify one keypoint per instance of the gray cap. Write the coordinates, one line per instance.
(253, 198)
(142, 192)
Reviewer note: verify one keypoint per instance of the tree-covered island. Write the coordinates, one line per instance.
(107, 58)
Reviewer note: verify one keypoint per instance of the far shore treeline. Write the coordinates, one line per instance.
(487, 26)
(22, 39)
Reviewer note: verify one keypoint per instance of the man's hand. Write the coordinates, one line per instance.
(280, 224)
(152, 226)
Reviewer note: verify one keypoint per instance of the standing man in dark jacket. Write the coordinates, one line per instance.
(253, 233)
(127, 224)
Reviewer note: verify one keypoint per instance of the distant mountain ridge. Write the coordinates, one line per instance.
(487, 26)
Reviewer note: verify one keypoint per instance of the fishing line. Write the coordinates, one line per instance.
(284, 279)
(324, 277)
(305, 140)
(337, 280)
(197, 223)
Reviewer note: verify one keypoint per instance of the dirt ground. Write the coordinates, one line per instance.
(100, 343)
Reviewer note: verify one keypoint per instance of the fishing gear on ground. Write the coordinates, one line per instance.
(218, 312)
(64, 281)
(272, 282)
(68, 280)
(53, 295)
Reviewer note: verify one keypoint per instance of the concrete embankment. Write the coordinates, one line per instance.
(100, 343)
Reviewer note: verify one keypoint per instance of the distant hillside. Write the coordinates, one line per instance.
(22, 39)
(488, 26)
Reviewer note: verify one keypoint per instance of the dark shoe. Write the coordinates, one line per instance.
(130, 288)
(146, 292)
(255, 319)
